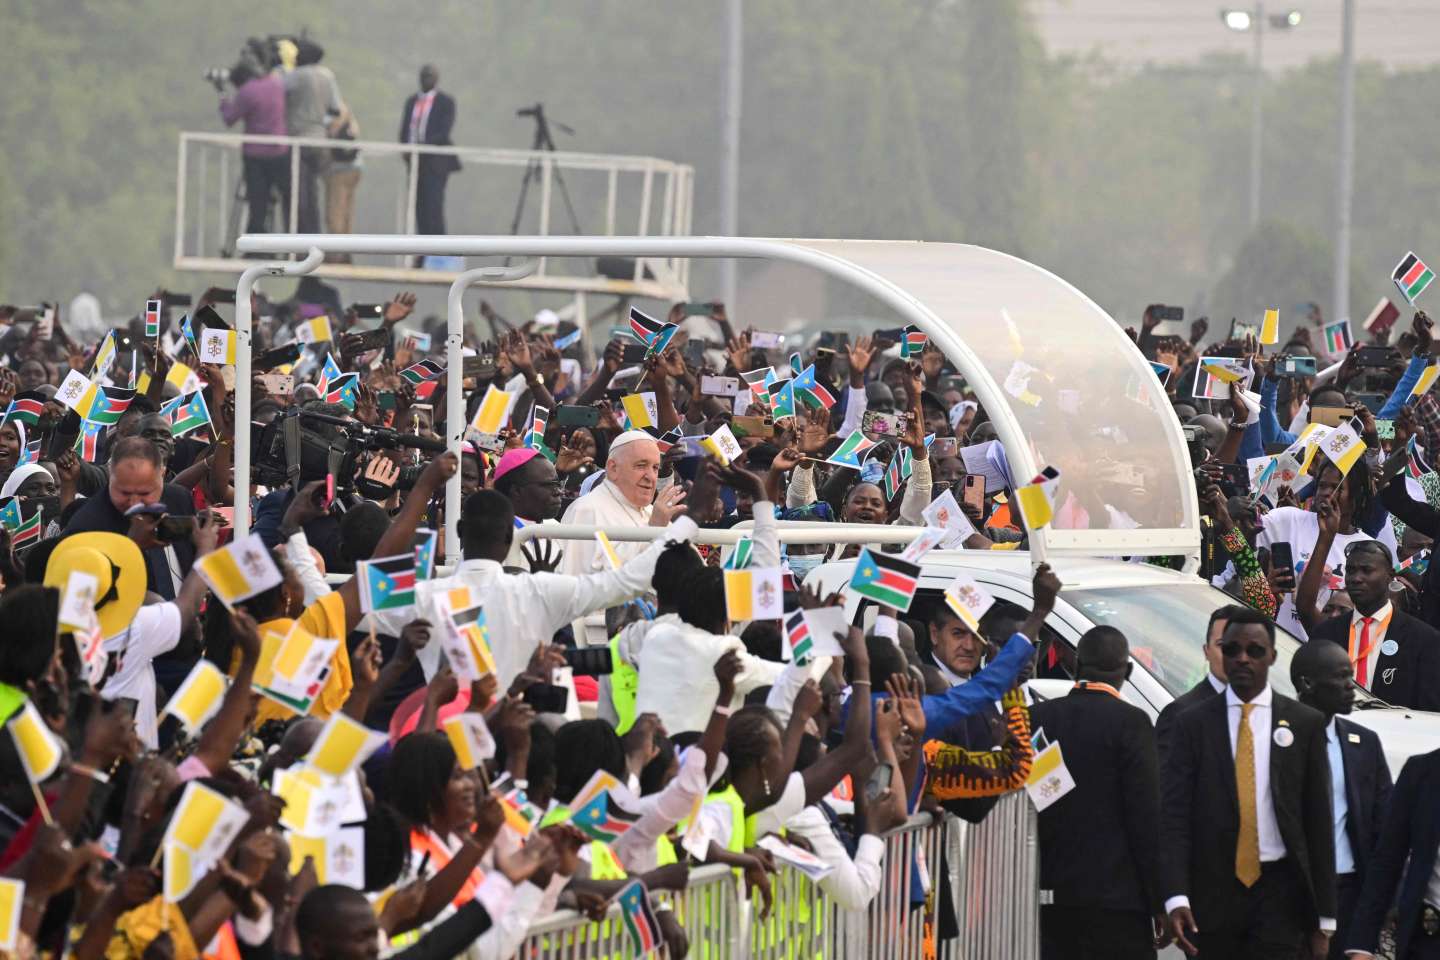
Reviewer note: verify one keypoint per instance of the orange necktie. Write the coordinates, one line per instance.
(1362, 661)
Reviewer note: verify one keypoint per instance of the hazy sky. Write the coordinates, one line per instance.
(1396, 32)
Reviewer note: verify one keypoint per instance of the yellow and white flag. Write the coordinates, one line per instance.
(205, 823)
(1037, 498)
(239, 570)
(471, 739)
(1426, 381)
(314, 330)
(38, 748)
(600, 782)
(78, 393)
(12, 899)
(182, 378)
(199, 697)
(1270, 327)
(299, 661)
(339, 857)
(969, 601)
(77, 604)
(641, 409)
(342, 746)
(1343, 447)
(298, 787)
(182, 872)
(722, 445)
(1225, 372)
(755, 593)
(104, 357)
(217, 345)
(494, 410)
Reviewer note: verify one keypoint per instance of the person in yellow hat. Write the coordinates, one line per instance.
(135, 633)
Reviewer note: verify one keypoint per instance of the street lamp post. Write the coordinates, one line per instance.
(1255, 22)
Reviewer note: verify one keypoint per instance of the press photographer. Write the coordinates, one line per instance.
(259, 101)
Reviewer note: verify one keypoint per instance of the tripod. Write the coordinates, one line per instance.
(534, 169)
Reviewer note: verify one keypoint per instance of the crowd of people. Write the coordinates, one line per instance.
(280, 87)
(222, 745)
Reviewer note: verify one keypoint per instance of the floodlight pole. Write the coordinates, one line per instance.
(243, 327)
(1257, 118)
(1345, 176)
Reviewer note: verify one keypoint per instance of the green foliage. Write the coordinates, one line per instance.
(916, 119)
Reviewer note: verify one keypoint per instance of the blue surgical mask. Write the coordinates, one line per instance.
(804, 563)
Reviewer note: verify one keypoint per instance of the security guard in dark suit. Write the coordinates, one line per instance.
(1099, 842)
(1359, 776)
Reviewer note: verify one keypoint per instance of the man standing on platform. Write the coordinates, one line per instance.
(428, 118)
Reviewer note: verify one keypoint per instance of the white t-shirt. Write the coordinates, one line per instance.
(1301, 529)
(154, 631)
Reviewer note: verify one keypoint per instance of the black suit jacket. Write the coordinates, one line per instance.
(1410, 677)
(100, 515)
(1426, 519)
(1410, 832)
(437, 132)
(1165, 723)
(1200, 817)
(1367, 788)
(1100, 843)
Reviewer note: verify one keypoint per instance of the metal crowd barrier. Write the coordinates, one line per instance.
(992, 871)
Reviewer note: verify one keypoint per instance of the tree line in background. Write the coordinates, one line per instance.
(897, 119)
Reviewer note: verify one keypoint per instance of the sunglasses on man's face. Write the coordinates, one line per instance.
(1252, 650)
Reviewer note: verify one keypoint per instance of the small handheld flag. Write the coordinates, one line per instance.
(1037, 499)
(471, 739)
(1338, 338)
(654, 334)
(329, 373)
(1411, 277)
(782, 399)
(199, 696)
(205, 822)
(239, 570)
(494, 410)
(912, 344)
(314, 330)
(152, 319)
(87, 444)
(848, 453)
(1426, 381)
(1415, 462)
(425, 554)
(887, 580)
(600, 819)
(1270, 327)
(798, 642)
(902, 465)
(25, 410)
(1343, 447)
(386, 583)
(754, 593)
(342, 746)
(639, 409)
(344, 390)
(639, 918)
(217, 345)
(190, 415)
(423, 371)
(969, 601)
(36, 746)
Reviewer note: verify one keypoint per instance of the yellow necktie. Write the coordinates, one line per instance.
(1247, 848)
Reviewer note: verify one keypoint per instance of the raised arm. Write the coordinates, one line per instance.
(400, 537)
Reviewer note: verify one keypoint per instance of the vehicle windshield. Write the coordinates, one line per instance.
(1164, 626)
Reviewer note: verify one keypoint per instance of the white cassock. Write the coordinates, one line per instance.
(604, 506)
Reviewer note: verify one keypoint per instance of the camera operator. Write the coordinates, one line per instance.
(259, 101)
(312, 101)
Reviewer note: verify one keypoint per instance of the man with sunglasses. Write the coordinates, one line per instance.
(1396, 656)
(1247, 834)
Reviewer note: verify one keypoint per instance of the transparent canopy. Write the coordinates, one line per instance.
(1060, 380)
(1079, 395)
